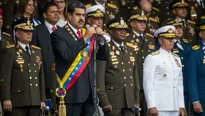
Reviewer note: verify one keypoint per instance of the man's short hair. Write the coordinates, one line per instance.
(47, 5)
(75, 4)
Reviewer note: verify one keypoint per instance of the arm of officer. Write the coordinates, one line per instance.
(148, 80)
(100, 75)
(192, 76)
(65, 48)
(136, 82)
(181, 88)
(5, 74)
(42, 83)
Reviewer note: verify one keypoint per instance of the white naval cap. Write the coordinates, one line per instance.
(167, 31)
(95, 11)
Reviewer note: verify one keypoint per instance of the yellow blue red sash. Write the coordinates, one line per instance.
(75, 70)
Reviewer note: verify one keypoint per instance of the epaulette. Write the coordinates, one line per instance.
(155, 53)
(196, 47)
(202, 17)
(88, 6)
(131, 45)
(185, 41)
(192, 22)
(155, 9)
(175, 55)
(154, 19)
(136, 7)
(35, 47)
(149, 35)
(112, 5)
(10, 46)
(6, 34)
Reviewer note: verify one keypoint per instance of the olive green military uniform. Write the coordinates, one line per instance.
(111, 11)
(6, 40)
(145, 46)
(163, 6)
(117, 80)
(22, 78)
(195, 11)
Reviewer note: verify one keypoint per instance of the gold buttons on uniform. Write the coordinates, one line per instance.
(111, 88)
(30, 77)
(36, 85)
(130, 69)
(130, 84)
(29, 64)
(36, 78)
(34, 64)
(124, 77)
(123, 70)
(122, 63)
(125, 85)
(30, 84)
(130, 77)
(29, 70)
(35, 71)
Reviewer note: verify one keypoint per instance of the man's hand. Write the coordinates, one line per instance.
(43, 105)
(197, 107)
(89, 33)
(153, 111)
(7, 105)
(181, 112)
(107, 108)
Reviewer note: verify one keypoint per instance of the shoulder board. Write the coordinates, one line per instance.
(112, 5)
(196, 47)
(153, 19)
(136, 7)
(6, 34)
(192, 22)
(88, 6)
(202, 17)
(175, 55)
(185, 41)
(10, 46)
(155, 53)
(35, 47)
(131, 45)
(149, 35)
(155, 8)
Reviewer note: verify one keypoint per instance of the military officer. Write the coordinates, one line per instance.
(145, 44)
(163, 6)
(95, 17)
(111, 10)
(179, 9)
(196, 64)
(162, 79)
(5, 38)
(152, 16)
(22, 81)
(182, 49)
(117, 77)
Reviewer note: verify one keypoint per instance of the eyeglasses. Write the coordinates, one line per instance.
(60, 2)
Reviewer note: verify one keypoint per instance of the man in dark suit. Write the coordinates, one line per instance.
(73, 50)
(22, 80)
(42, 39)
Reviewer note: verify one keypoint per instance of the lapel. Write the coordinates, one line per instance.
(71, 32)
(22, 52)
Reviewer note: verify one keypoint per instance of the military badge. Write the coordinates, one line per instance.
(151, 46)
(132, 59)
(113, 56)
(111, 16)
(116, 62)
(177, 62)
(114, 59)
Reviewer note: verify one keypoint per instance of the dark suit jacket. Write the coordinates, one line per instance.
(21, 75)
(66, 48)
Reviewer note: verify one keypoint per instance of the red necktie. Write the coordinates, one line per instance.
(79, 34)
(53, 28)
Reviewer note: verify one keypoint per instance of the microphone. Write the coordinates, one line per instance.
(99, 37)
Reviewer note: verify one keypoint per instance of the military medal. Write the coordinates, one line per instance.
(177, 62)
(151, 46)
(132, 59)
(113, 56)
(112, 53)
(114, 59)
(137, 40)
(116, 62)
(20, 61)
(85, 54)
(37, 59)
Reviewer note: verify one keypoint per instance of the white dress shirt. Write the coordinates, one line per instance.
(49, 26)
(24, 46)
(74, 29)
(163, 81)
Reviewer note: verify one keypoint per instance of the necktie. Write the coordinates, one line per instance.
(122, 48)
(27, 50)
(141, 37)
(184, 23)
(79, 34)
(53, 28)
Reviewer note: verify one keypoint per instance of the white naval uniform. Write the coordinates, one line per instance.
(163, 82)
